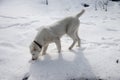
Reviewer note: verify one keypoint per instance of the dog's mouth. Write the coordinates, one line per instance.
(34, 59)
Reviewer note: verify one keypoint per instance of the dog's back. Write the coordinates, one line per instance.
(67, 24)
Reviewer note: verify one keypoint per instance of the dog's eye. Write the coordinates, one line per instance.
(34, 49)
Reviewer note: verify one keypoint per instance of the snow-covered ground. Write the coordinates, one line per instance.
(98, 57)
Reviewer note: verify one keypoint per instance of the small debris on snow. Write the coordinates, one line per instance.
(85, 5)
(117, 61)
(87, 79)
(26, 76)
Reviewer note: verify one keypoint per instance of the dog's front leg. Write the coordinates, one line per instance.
(44, 49)
(58, 44)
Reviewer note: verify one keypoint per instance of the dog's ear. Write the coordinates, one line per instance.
(34, 49)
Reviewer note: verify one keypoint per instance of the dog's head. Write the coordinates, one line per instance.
(35, 50)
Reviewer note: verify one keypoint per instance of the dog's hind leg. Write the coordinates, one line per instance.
(74, 41)
(72, 45)
(58, 44)
(78, 39)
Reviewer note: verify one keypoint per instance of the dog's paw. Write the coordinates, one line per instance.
(44, 53)
(77, 45)
(59, 51)
(70, 48)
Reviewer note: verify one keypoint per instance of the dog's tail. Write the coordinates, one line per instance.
(79, 14)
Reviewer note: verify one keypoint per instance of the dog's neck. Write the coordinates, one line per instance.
(40, 46)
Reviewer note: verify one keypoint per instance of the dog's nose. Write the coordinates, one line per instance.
(34, 59)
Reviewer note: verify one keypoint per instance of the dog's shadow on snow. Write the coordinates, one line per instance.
(71, 65)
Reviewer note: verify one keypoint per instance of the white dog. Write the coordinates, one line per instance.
(53, 33)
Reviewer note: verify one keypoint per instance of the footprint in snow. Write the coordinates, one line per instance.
(113, 18)
(108, 29)
(6, 44)
(117, 40)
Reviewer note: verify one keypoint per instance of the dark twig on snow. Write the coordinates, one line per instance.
(117, 61)
(27, 75)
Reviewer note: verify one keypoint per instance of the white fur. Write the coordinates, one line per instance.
(54, 32)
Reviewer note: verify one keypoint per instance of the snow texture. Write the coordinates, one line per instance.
(97, 59)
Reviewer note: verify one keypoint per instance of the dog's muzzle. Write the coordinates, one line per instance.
(34, 59)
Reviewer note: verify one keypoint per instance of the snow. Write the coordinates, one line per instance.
(99, 32)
